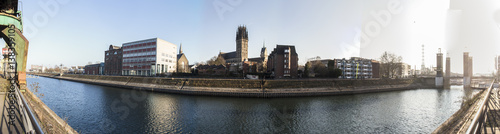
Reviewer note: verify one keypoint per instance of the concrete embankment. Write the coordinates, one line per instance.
(251, 88)
(49, 121)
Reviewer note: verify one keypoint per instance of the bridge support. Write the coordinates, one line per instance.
(447, 74)
(439, 69)
(467, 69)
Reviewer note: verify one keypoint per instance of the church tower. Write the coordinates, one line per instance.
(242, 43)
(263, 51)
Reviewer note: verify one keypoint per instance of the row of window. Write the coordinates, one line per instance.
(142, 43)
(167, 55)
(354, 62)
(286, 72)
(167, 60)
(135, 65)
(139, 54)
(139, 59)
(139, 48)
(358, 75)
(353, 74)
(107, 53)
(353, 68)
(107, 59)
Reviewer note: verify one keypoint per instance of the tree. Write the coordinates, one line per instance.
(319, 68)
(306, 70)
(57, 69)
(334, 72)
(216, 61)
(390, 64)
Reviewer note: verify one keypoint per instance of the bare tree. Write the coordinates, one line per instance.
(390, 64)
(216, 61)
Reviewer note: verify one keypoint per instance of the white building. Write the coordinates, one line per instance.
(149, 57)
(404, 71)
(355, 68)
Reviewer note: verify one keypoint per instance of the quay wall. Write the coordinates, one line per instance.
(251, 88)
(48, 119)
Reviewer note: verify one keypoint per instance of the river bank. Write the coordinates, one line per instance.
(251, 88)
(48, 119)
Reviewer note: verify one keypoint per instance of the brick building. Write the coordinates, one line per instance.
(149, 57)
(283, 62)
(375, 69)
(113, 60)
(94, 69)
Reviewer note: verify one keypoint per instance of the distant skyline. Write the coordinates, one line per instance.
(74, 32)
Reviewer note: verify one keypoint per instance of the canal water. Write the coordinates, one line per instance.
(98, 109)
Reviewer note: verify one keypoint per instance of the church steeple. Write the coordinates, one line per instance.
(180, 49)
(263, 51)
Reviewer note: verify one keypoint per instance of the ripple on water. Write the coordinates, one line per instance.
(411, 111)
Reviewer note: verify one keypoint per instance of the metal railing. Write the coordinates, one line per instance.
(485, 117)
(28, 119)
(18, 108)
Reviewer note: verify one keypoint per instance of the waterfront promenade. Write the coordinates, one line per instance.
(7, 128)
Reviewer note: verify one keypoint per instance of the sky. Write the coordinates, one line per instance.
(72, 32)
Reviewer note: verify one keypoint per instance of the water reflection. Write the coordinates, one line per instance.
(97, 109)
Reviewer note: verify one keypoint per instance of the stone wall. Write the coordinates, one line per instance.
(267, 84)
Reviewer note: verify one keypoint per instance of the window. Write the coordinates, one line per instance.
(107, 53)
(286, 66)
(287, 50)
(286, 55)
(115, 53)
(286, 61)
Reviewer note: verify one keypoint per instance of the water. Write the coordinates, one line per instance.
(97, 109)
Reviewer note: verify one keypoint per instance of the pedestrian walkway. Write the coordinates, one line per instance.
(7, 128)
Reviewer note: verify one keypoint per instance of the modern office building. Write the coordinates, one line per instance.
(113, 58)
(149, 57)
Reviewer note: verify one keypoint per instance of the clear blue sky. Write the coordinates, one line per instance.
(80, 31)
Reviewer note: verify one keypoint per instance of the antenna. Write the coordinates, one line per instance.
(423, 58)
